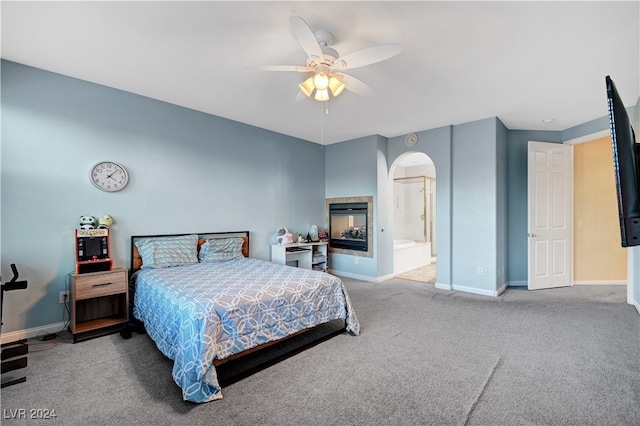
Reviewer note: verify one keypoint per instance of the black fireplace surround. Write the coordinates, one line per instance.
(348, 224)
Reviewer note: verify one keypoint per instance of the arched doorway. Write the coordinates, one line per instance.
(414, 217)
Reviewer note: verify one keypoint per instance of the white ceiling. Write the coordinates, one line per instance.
(461, 61)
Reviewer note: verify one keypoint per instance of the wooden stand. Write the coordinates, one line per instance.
(99, 303)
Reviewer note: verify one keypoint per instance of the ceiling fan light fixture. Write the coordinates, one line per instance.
(327, 65)
(336, 86)
(321, 95)
(307, 86)
(321, 81)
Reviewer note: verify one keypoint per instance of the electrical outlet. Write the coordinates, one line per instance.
(64, 296)
(480, 270)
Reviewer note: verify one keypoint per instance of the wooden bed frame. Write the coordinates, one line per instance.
(136, 264)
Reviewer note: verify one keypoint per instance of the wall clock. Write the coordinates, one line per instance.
(411, 139)
(109, 176)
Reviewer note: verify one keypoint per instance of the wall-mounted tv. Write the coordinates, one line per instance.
(626, 155)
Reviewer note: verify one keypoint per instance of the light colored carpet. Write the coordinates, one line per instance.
(425, 356)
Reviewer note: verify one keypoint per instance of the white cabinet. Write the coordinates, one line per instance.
(303, 255)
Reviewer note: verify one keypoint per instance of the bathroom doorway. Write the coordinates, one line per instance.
(414, 189)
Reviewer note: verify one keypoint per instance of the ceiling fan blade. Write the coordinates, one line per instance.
(367, 56)
(284, 68)
(356, 86)
(305, 37)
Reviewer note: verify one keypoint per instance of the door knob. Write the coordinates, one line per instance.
(531, 235)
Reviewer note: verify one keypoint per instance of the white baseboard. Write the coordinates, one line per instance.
(385, 277)
(502, 288)
(443, 286)
(631, 300)
(354, 276)
(592, 282)
(473, 290)
(29, 333)
(492, 293)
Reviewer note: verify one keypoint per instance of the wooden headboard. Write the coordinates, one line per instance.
(136, 260)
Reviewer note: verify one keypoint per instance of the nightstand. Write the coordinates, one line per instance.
(99, 303)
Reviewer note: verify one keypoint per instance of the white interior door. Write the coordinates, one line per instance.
(550, 216)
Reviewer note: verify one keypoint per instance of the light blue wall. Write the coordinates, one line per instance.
(471, 199)
(436, 143)
(351, 171)
(474, 205)
(517, 146)
(588, 128)
(359, 168)
(189, 172)
(384, 218)
(502, 205)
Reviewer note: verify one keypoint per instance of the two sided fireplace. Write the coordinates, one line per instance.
(348, 224)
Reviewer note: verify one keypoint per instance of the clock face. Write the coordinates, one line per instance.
(411, 139)
(109, 176)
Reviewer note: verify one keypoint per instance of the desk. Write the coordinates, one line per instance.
(311, 255)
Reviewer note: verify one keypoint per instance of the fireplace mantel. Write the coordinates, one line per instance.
(369, 225)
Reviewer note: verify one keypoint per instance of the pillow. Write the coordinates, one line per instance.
(221, 250)
(163, 252)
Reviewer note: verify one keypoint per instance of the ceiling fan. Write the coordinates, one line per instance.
(327, 65)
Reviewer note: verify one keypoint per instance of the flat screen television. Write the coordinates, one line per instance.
(626, 155)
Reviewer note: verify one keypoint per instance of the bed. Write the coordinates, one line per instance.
(204, 301)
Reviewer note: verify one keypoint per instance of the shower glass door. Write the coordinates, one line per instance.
(411, 209)
(415, 209)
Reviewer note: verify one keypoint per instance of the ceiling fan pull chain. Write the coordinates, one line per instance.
(321, 126)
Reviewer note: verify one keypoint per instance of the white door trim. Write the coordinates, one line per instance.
(550, 224)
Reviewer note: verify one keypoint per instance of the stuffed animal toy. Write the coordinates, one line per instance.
(88, 222)
(105, 221)
(284, 236)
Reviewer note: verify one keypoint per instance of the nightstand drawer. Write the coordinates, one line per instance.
(101, 284)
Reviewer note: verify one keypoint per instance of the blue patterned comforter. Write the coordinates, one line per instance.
(198, 313)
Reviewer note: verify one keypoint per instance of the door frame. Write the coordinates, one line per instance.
(568, 193)
(633, 257)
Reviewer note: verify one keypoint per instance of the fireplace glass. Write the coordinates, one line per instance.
(348, 226)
